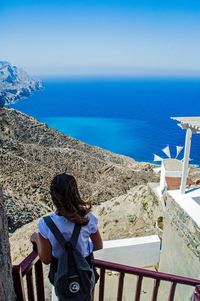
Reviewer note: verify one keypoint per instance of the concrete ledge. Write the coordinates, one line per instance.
(139, 251)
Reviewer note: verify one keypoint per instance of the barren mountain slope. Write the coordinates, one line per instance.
(31, 153)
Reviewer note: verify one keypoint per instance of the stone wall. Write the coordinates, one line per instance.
(180, 246)
(6, 283)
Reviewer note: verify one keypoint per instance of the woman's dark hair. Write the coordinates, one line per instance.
(65, 196)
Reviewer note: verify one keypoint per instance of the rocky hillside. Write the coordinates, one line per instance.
(15, 84)
(31, 153)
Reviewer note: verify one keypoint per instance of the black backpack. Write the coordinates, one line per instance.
(71, 274)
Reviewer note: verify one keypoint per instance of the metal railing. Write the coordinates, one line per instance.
(141, 274)
(35, 283)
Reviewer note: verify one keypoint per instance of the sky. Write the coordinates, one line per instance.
(113, 37)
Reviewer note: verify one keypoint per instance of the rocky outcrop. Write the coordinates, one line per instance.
(15, 84)
(133, 214)
(31, 153)
(22, 209)
(6, 282)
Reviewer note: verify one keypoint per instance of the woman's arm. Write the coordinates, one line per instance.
(97, 240)
(43, 247)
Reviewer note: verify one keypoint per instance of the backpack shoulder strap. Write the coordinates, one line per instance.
(75, 235)
(58, 235)
(54, 229)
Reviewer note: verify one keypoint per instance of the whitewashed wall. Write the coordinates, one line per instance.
(138, 252)
(180, 253)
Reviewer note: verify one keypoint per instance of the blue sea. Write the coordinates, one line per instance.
(128, 116)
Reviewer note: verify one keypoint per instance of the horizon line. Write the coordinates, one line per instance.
(117, 76)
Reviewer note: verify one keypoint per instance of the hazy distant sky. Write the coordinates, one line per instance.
(101, 37)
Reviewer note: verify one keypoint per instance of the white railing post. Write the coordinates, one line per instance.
(188, 139)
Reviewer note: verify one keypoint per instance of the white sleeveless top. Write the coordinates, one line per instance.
(84, 244)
